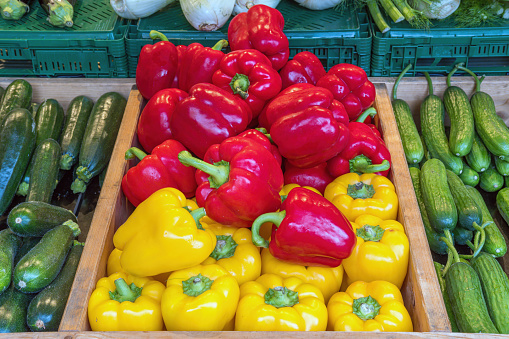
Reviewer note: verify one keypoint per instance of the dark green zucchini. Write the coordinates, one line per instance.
(447, 302)
(14, 9)
(99, 139)
(495, 243)
(39, 267)
(468, 210)
(435, 244)
(46, 309)
(9, 245)
(502, 166)
(49, 120)
(17, 142)
(469, 176)
(13, 310)
(17, 95)
(26, 246)
(491, 180)
(44, 175)
(60, 12)
(34, 218)
(76, 121)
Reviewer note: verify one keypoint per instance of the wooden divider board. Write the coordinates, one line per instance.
(420, 290)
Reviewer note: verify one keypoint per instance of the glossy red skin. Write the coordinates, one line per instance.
(313, 233)
(265, 82)
(159, 170)
(180, 51)
(309, 137)
(197, 65)
(252, 189)
(260, 28)
(350, 85)
(304, 68)
(156, 68)
(208, 116)
(297, 98)
(317, 177)
(154, 123)
(362, 141)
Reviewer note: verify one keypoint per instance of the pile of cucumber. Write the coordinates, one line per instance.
(38, 144)
(445, 166)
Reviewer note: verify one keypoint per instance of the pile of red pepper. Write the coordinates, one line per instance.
(251, 121)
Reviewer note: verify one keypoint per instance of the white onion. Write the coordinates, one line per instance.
(243, 5)
(136, 9)
(207, 15)
(318, 4)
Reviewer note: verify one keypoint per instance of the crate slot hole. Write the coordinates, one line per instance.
(16, 64)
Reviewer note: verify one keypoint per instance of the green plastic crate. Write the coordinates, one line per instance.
(484, 50)
(333, 36)
(93, 47)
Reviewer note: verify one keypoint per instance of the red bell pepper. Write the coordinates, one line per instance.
(350, 85)
(180, 51)
(305, 68)
(208, 116)
(297, 98)
(249, 74)
(317, 176)
(309, 137)
(154, 123)
(308, 230)
(365, 153)
(261, 28)
(244, 181)
(157, 65)
(199, 63)
(158, 170)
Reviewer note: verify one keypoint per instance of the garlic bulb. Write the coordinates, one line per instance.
(136, 9)
(437, 9)
(243, 5)
(318, 4)
(207, 15)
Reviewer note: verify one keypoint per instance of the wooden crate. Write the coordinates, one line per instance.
(420, 290)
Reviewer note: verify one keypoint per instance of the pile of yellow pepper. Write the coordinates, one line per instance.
(179, 270)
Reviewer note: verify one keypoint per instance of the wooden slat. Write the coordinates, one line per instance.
(421, 291)
(99, 241)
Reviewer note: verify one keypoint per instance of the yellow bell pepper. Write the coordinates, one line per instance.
(200, 298)
(381, 251)
(162, 236)
(123, 302)
(288, 187)
(113, 264)
(274, 303)
(237, 254)
(374, 306)
(327, 279)
(369, 193)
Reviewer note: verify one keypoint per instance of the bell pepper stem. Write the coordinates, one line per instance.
(154, 35)
(280, 296)
(369, 112)
(362, 165)
(133, 152)
(360, 190)
(370, 233)
(124, 292)
(275, 217)
(225, 247)
(219, 172)
(220, 45)
(396, 84)
(264, 131)
(196, 285)
(366, 308)
(240, 85)
(197, 214)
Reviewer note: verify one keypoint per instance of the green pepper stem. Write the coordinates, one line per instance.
(133, 152)
(476, 79)
(240, 85)
(396, 84)
(370, 233)
(366, 308)
(264, 131)
(219, 172)
(369, 112)
(196, 285)
(197, 214)
(154, 35)
(275, 217)
(430, 84)
(124, 292)
(280, 296)
(361, 165)
(220, 45)
(360, 190)
(225, 247)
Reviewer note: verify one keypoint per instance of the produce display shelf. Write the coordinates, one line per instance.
(484, 50)
(93, 47)
(420, 290)
(344, 37)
